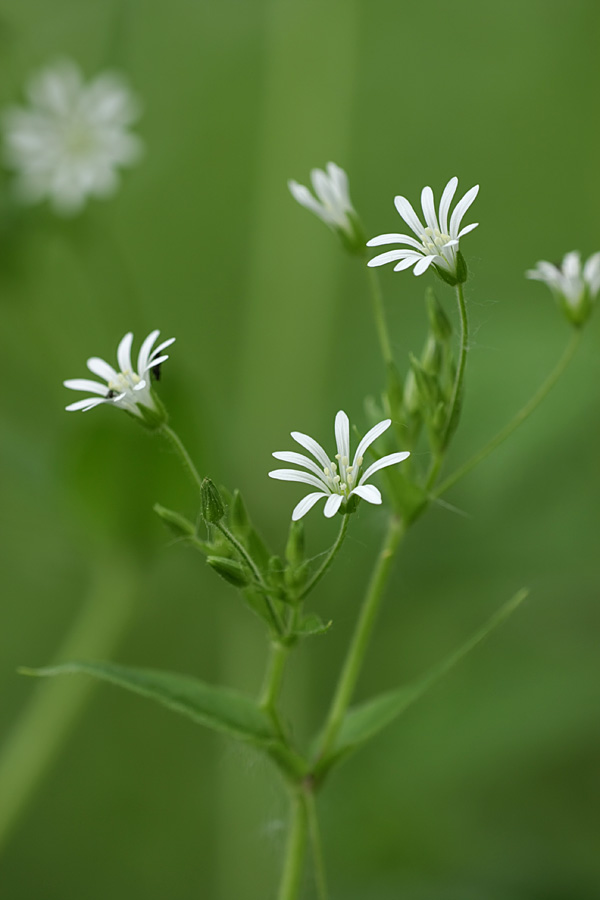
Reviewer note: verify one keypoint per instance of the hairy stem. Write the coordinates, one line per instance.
(520, 417)
(177, 444)
(316, 846)
(327, 561)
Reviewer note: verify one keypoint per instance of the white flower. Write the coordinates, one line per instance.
(437, 242)
(67, 144)
(574, 286)
(335, 481)
(127, 387)
(333, 205)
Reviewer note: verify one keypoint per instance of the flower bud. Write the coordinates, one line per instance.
(229, 569)
(211, 505)
(294, 549)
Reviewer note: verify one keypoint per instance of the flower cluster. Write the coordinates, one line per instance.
(70, 140)
(127, 388)
(437, 242)
(335, 481)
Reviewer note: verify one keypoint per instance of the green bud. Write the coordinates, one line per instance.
(233, 572)
(352, 234)
(295, 578)
(427, 386)
(178, 524)
(432, 356)
(238, 515)
(276, 571)
(439, 322)
(211, 505)
(411, 399)
(295, 547)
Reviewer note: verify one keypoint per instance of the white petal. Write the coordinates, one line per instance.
(428, 204)
(395, 239)
(298, 459)
(304, 197)
(313, 447)
(144, 354)
(86, 384)
(447, 196)
(154, 362)
(87, 403)
(342, 434)
(391, 256)
(339, 180)
(424, 264)
(406, 263)
(389, 460)
(294, 475)
(409, 215)
(305, 504)
(101, 368)
(333, 504)
(368, 492)
(368, 439)
(571, 264)
(467, 229)
(460, 209)
(124, 352)
(591, 272)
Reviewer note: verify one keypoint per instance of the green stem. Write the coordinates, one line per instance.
(316, 845)
(362, 632)
(296, 846)
(327, 561)
(256, 572)
(380, 318)
(456, 390)
(520, 417)
(177, 444)
(272, 683)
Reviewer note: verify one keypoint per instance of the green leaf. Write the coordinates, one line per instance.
(311, 625)
(219, 708)
(365, 721)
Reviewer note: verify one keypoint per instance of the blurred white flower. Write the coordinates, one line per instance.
(126, 388)
(69, 141)
(438, 241)
(332, 203)
(335, 481)
(575, 286)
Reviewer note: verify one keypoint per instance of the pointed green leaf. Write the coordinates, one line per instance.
(222, 709)
(312, 624)
(365, 721)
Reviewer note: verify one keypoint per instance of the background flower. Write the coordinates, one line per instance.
(68, 143)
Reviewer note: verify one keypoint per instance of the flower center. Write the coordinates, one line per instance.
(79, 139)
(434, 241)
(125, 381)
(344, 481)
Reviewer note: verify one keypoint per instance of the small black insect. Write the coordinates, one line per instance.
(156, 372)
(111, 394)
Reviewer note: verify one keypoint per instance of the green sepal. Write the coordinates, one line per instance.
(230, 570)
(153, 418)
(295, 579)
(458, 277)
(276, 571)
(220, 708)
(175, 522)
(365, 721)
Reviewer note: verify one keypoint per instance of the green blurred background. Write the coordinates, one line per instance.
(490, 788)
